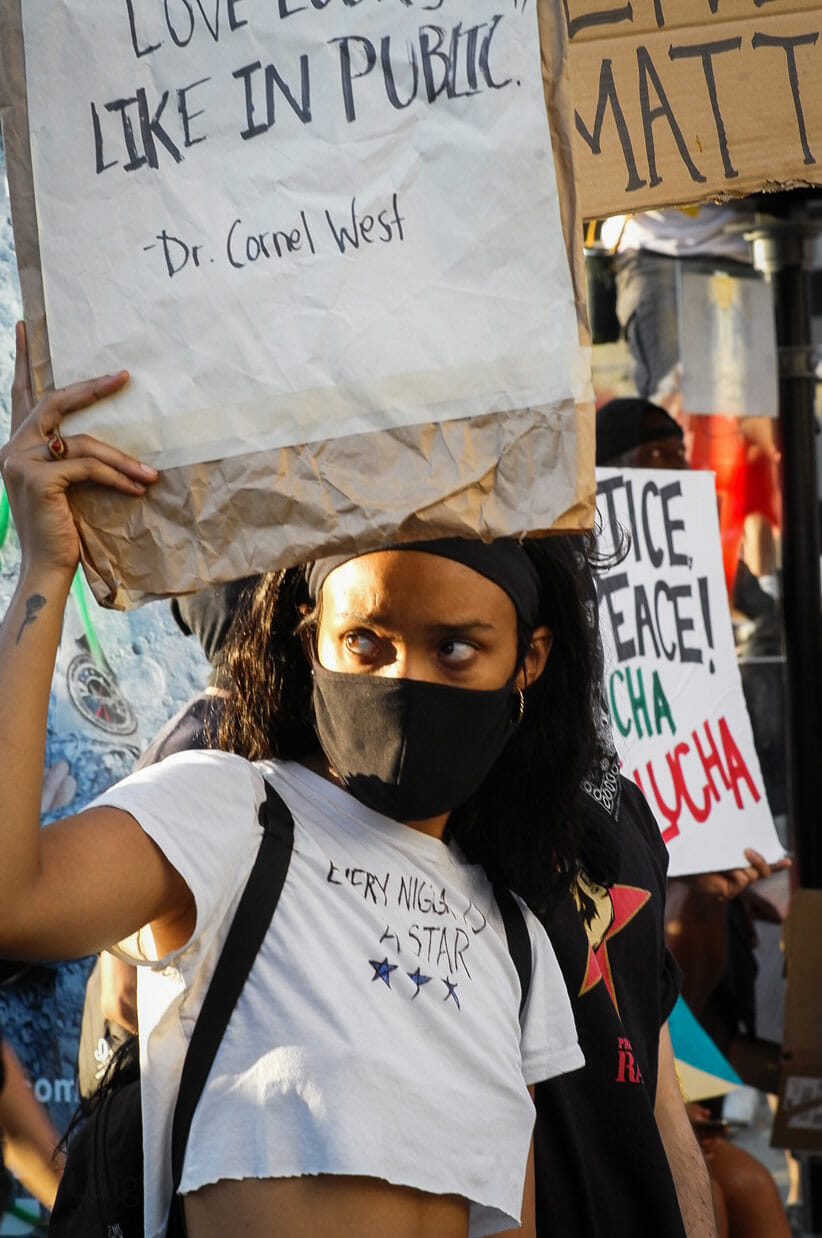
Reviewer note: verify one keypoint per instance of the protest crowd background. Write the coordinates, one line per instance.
(121, 676)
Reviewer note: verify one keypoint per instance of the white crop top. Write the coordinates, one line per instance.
(378, 1033)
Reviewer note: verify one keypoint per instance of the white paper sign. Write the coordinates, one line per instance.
(294, 220)
(678, 713)
(727, 344)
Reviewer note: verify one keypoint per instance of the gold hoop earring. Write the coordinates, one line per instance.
(518, 707)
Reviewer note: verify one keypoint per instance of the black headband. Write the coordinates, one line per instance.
(209, 613)
(504, 561)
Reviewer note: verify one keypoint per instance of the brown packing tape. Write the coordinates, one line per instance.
(530, 470)
(278, 503)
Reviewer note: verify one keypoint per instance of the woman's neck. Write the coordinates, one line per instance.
(318, 763)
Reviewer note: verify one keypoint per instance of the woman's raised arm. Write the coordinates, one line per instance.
(96, 877)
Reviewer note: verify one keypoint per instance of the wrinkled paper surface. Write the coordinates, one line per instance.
(388, 285)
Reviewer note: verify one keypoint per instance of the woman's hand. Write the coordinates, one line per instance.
(37, 477)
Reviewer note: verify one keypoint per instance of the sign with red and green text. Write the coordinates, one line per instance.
(674, 691)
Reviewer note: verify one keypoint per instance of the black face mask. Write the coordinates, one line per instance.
(408, 749)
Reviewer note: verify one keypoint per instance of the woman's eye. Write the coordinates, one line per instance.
(457, 652)
(362, 644)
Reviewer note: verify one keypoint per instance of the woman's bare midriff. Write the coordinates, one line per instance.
(322, 1206)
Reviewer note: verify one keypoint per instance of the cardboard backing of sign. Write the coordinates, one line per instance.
(798, 1121)
(526, 471)
(680, 101)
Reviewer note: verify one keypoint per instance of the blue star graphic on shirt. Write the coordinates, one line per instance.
(383, 970)
(452, 992)
(419, 981)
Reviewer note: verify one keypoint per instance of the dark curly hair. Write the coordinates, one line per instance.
(522, 825)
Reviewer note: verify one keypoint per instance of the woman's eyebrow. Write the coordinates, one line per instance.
(355, 616)
(445, 629)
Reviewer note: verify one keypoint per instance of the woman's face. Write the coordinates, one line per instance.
(406, 614)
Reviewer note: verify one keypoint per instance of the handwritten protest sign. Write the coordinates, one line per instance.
(331, 242)
(686, 100)
(296, 221)
(679, 718)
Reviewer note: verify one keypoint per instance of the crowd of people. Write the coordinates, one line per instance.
(432, 716)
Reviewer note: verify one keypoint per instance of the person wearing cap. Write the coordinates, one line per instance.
(633, 433)
(425, 713)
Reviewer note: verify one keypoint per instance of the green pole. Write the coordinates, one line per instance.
(5, 516)
(78, 590)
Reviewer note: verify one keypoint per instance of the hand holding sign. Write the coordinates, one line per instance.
(37, 481)
(727, 885)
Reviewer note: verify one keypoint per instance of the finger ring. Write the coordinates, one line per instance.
(56, 445)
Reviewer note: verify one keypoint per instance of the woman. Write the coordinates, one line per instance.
(374, 1078)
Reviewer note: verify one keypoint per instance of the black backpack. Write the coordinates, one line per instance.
(101, 1191)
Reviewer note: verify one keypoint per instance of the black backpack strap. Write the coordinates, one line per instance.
(518, 938)
(245, 936)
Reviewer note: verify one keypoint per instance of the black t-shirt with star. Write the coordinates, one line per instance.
(601, 1169)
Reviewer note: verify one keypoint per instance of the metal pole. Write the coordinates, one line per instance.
(782, 249)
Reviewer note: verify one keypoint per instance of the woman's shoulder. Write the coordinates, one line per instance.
(201, 809)
(194, 765)
(201, 785)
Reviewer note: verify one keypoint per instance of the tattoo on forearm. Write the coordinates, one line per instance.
(34, 605)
